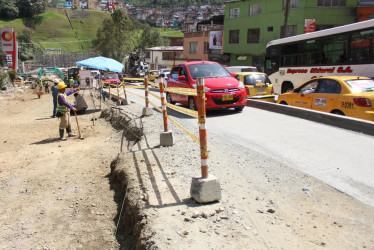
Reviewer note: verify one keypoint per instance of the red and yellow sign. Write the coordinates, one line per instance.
(8, 45)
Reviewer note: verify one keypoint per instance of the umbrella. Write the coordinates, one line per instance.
(102, 63)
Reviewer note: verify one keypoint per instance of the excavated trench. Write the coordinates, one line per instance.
(132, 232)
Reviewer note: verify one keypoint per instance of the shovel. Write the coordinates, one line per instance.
(79, 130)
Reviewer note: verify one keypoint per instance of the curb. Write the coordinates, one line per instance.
(344, 122)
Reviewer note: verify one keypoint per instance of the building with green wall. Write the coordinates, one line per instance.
(250, 24)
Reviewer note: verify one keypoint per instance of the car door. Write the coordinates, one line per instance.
(183, 83)
(303, 95)
(325, 95)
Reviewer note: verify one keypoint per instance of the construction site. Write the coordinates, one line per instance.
(115, 187)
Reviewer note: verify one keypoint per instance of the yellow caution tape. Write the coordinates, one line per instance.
(133, 79)
(193, 137)
(183, 110)
(154, 84)
(158, 97)
(134, 87)
(182, 91)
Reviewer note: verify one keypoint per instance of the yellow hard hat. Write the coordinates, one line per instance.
(61, 85)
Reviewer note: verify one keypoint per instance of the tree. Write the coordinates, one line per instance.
(8, 10)
(31, 8)
(27, 48)
(113, 38)
(151, 37)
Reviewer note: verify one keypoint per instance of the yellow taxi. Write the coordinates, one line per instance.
(343, 95)
(258, 85)
(153, 74)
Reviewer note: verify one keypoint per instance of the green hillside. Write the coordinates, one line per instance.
(55, 31)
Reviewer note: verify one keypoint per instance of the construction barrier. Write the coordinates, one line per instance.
(135, 79)
(163, 105)
(202, 129)
(118, 94)
(123, 88)
(146, 91)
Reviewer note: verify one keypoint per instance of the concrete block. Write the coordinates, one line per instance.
(166, 139)
(147, 111)
(122, 102)
(205, 190)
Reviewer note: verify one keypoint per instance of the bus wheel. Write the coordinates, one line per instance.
(287, 87)
(337, 112)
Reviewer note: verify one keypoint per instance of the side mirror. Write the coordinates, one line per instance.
(182, 78)
(233, 74)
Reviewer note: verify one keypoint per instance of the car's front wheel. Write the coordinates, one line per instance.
(191, 103)
(239, 109)
(283, 103)
(168, 98)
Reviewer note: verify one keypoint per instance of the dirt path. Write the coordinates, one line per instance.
(53, 194)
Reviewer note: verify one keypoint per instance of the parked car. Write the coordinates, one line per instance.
(222, 89)
(95, 74)
(111, 79)
(153, 74)
(235, 69)
(343, 95)
(163, 71)
(258, 85)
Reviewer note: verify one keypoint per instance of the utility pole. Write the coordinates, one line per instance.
(286, 12)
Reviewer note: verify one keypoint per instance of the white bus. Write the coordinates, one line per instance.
(344, 50)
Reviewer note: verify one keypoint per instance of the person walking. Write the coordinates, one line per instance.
(63, 108)
(46, 87)
(55, 92)
(71, 82)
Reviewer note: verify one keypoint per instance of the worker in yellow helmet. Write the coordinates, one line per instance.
(63, 108)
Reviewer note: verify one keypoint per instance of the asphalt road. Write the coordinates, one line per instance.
(341, 158)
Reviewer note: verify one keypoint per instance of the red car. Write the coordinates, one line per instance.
(111, 79)
(222, 89)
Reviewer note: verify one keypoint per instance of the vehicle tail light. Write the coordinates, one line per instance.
(272, 89)
(362, 102)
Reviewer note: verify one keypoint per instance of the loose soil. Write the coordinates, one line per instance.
(70, 195)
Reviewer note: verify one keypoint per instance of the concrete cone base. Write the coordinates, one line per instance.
(166, 139)
(147, 111)
(205, 190)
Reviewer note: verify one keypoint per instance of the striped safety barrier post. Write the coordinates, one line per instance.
(119, 101)
(147, 111)
(123, 88)
(146, 91)
(163, 105)
(207, 188)
(202, 129)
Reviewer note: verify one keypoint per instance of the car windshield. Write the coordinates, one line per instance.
(115, 76)
(208, 70)
(361, 85)
(256, 78)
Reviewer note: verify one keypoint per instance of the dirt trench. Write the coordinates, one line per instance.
(131, 218)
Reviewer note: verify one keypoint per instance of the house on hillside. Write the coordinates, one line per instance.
(205, 41)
